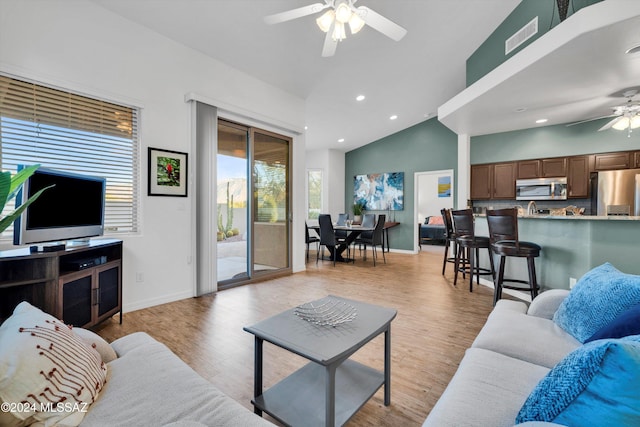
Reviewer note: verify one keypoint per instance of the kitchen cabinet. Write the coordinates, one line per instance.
(578, 177)
(554, 167)
(528, 169)
(493, 181)
(636, 159)
(481, 178)
(542, 168)
(612, 161)
(504, 181)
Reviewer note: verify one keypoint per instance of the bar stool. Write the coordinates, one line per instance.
(503, 233)
(449, 238)
(469, 246)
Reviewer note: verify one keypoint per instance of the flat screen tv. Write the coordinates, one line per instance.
(72, 209)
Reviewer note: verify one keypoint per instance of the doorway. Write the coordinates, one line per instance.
(434, 190)
(253, 204)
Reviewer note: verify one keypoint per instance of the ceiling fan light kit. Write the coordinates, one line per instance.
(333, 21)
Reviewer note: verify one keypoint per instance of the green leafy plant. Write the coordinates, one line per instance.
(9, 187)
(358, 207)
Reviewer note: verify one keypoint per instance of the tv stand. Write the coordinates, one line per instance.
(81, 285)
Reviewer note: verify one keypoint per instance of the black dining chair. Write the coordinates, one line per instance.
(368, 221)
(327, 236)
(376, 239)
(308, 239)
(342, 220)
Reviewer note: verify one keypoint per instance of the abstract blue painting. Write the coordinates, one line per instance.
(380, 191)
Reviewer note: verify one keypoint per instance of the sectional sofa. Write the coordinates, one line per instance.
(571, 358)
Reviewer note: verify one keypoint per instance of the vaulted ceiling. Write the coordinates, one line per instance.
(410, 78)
(577, 78)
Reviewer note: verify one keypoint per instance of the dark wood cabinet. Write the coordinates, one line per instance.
(578, 177)
(528, 169)
(481, 179)
(636, 159)
(493, 181)
(80, 285)
(504, 181)
(612, 161)
(554, 167)
(542, 168)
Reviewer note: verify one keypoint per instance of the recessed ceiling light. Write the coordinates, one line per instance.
(393, 117)
(341, 140)
(541, 121)
(520, 110)
(632, 50)
(306, 127)
(360, 98)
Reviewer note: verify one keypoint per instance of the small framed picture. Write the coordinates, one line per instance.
(167, 173)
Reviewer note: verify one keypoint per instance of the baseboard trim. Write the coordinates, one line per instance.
(146, 303)
(525, 296)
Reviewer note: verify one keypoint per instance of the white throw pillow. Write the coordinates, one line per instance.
(107, 353)
(46, 371)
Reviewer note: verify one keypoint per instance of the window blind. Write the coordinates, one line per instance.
(66, 131)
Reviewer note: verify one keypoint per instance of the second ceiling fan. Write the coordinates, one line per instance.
(340, 14)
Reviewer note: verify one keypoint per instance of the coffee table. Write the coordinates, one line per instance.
(330, 389)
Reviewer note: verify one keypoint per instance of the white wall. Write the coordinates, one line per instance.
(79, 46)
(331, 162)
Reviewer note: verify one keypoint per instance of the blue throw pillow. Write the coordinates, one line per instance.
(595, 385)
(628, 323)
(600, 296)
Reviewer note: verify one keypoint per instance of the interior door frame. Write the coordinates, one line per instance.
(416, 194)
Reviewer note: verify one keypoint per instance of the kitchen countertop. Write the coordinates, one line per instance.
(576, 217)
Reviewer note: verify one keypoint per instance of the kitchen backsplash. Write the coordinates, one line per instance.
(540, 204)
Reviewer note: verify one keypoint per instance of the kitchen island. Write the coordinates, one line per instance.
(571, 246)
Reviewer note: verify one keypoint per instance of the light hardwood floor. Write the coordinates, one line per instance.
(436, 322)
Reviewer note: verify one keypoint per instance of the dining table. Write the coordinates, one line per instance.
(353, 231)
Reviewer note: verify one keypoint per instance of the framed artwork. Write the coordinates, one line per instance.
(380, 191)
(444, 186)
(167, 173)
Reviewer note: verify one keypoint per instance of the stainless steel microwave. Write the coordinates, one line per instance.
(541, 189)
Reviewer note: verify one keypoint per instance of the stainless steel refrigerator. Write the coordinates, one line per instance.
(616, 192)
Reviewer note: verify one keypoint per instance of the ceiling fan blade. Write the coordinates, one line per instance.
(380, 23)
(611, 123)
(591, 119)
(330, 45)
(295, 13)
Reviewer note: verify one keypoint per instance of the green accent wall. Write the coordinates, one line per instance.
(427, 146)
(491, 53)
(551, 141)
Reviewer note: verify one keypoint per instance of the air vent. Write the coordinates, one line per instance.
(524, 34)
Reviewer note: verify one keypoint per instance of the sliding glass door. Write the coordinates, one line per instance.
(271, 201)
(253, 204)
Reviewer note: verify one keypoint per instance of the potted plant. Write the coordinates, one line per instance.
(9, 187)
(358, 208)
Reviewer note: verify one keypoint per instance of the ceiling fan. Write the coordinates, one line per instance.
(334, 20)
(625, 117)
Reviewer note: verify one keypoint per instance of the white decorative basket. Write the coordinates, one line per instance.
(329, 312)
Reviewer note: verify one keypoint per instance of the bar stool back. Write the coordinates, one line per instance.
(469, 245)
(503, 233)
(449, 238)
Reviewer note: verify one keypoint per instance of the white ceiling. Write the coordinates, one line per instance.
(575, 72)
(410, 78)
